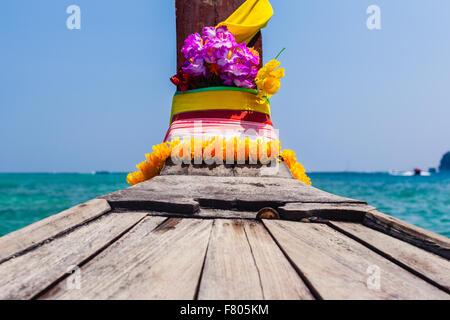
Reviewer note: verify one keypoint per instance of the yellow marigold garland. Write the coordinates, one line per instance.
(154, 164)
(297, 169)
(247, 149)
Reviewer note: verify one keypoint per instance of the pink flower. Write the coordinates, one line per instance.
(196, 66)
(234, 63)
(192, 46)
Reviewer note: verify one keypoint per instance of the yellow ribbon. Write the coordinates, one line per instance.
(226, 98)
(248, 19)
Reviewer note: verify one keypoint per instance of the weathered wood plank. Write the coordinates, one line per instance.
(230, 272)
(325, 211)
(29, 237)
(173, 193)
(29, 274)
(159, 264)
(240, 188)
(133, 199)
(279, 280)
(341, 268)
(209, 214)
(427, 264)
(419, 237)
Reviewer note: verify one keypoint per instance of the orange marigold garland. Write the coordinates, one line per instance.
(154, 164)
(297, 169)
(240, 149)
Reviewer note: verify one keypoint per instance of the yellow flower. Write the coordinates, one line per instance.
(154, 164)
(268, 79)
(297, 170)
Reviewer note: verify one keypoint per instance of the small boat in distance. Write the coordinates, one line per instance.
(100, 172)
(415, 172)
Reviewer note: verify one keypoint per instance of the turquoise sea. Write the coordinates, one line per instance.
(423, 201)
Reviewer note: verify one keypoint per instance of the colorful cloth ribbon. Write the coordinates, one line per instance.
(221, 111)
(248, 19)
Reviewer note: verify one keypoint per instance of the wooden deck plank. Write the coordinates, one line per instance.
(229, 272)
(327, 211)
(175, 194)
(263, 188)
(428, 264)
(162, 263)
(209, 214)
(35, 234)
(402, 230)
(341, 268)
(279, 279)
(27, 275)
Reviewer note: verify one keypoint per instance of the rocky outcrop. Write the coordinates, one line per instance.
(445, 162)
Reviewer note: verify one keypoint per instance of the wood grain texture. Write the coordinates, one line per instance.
(339, 267)
(29, 237)
(133, 199)
(27, 275)
(325, 211)
(427, 264)
(175, 193)
(209, 214)
(230, 272)
(155, 264)
(419, 237)
(279, 280)
(192, 16)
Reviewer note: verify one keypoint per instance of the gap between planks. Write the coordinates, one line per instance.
(336, 265)
(47, 291)
(31, 237)
(244, 263)
(426, 265)
(27, 276)
(161, 263)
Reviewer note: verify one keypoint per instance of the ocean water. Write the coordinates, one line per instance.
(423, 201)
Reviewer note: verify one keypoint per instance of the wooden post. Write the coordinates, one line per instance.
(193, 15)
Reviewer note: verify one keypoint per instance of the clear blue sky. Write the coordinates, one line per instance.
(98, 98)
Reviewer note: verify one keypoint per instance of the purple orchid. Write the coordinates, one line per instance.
(209, 33)
(246, 55)
(192, 46)
(218, 52)
(196, 66)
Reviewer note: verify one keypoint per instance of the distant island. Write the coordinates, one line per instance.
(445, 162)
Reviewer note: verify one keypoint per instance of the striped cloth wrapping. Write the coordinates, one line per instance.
(220, 112)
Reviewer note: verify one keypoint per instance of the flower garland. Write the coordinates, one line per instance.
(297, 169)
(250, 150)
